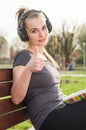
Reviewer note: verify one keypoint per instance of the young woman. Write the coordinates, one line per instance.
(36, 78)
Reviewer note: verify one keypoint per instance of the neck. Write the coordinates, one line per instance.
(32, 49)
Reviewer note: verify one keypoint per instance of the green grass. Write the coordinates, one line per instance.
(70, 84)
(5, 66)
(22, 126)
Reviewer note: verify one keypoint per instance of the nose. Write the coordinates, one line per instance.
(41, 33)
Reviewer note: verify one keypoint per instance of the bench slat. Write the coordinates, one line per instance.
(10, 114)
(12, 119)
(5, 88)
(7, 105)
(5, 74)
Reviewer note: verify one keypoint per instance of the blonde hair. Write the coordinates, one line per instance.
(51, 59)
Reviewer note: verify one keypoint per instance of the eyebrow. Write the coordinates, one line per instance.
(44, 25)
(31, 29)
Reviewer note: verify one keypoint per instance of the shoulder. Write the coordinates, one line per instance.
(23, 52)
(22, 58)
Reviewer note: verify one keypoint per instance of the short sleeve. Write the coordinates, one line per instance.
(22, 58)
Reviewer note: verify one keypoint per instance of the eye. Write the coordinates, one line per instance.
(33, 30)
(44, 27)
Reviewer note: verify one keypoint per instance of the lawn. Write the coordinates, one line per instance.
(22, 126)
(71, 84)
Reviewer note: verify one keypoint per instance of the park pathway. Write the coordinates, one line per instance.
(76, 75)
(31, 128)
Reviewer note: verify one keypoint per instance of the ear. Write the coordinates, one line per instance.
(22, 34)
(49, 26)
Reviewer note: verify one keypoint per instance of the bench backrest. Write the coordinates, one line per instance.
(10, 114)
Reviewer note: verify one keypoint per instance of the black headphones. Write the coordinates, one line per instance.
(22, 32)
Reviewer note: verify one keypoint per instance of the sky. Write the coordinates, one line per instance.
(73, 11)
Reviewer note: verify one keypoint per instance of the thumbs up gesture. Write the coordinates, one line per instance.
(36, 62)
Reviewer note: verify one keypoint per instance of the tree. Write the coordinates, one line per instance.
(4, 48)
(66, 42)
(81, 35)
(16, 47)
(62, 43)
(2, 41)
(53, 46)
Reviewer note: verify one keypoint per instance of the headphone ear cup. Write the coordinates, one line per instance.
(49, 26)
(22, 34)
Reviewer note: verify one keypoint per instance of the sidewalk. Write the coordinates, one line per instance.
(31, 128)
(71, 73)
(76, 75)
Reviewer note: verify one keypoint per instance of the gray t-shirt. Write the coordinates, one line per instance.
(43, 94)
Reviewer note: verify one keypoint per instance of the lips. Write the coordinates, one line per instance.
(41, 40)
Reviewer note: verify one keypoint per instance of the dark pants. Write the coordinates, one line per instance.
(70, 117)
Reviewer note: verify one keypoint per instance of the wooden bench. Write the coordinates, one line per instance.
(10, 114)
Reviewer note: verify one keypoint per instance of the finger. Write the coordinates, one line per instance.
(36, 51)
(38, 54)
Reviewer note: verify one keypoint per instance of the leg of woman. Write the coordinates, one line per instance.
(70, 117)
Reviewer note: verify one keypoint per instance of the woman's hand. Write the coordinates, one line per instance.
(36, 63)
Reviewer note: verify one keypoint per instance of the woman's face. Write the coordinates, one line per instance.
(37, 30)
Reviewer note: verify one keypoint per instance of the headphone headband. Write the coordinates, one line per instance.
(29, 13)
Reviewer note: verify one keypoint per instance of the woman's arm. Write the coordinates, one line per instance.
(21, 80)
(22, 76)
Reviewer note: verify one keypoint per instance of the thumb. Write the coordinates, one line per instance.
(36, 51)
